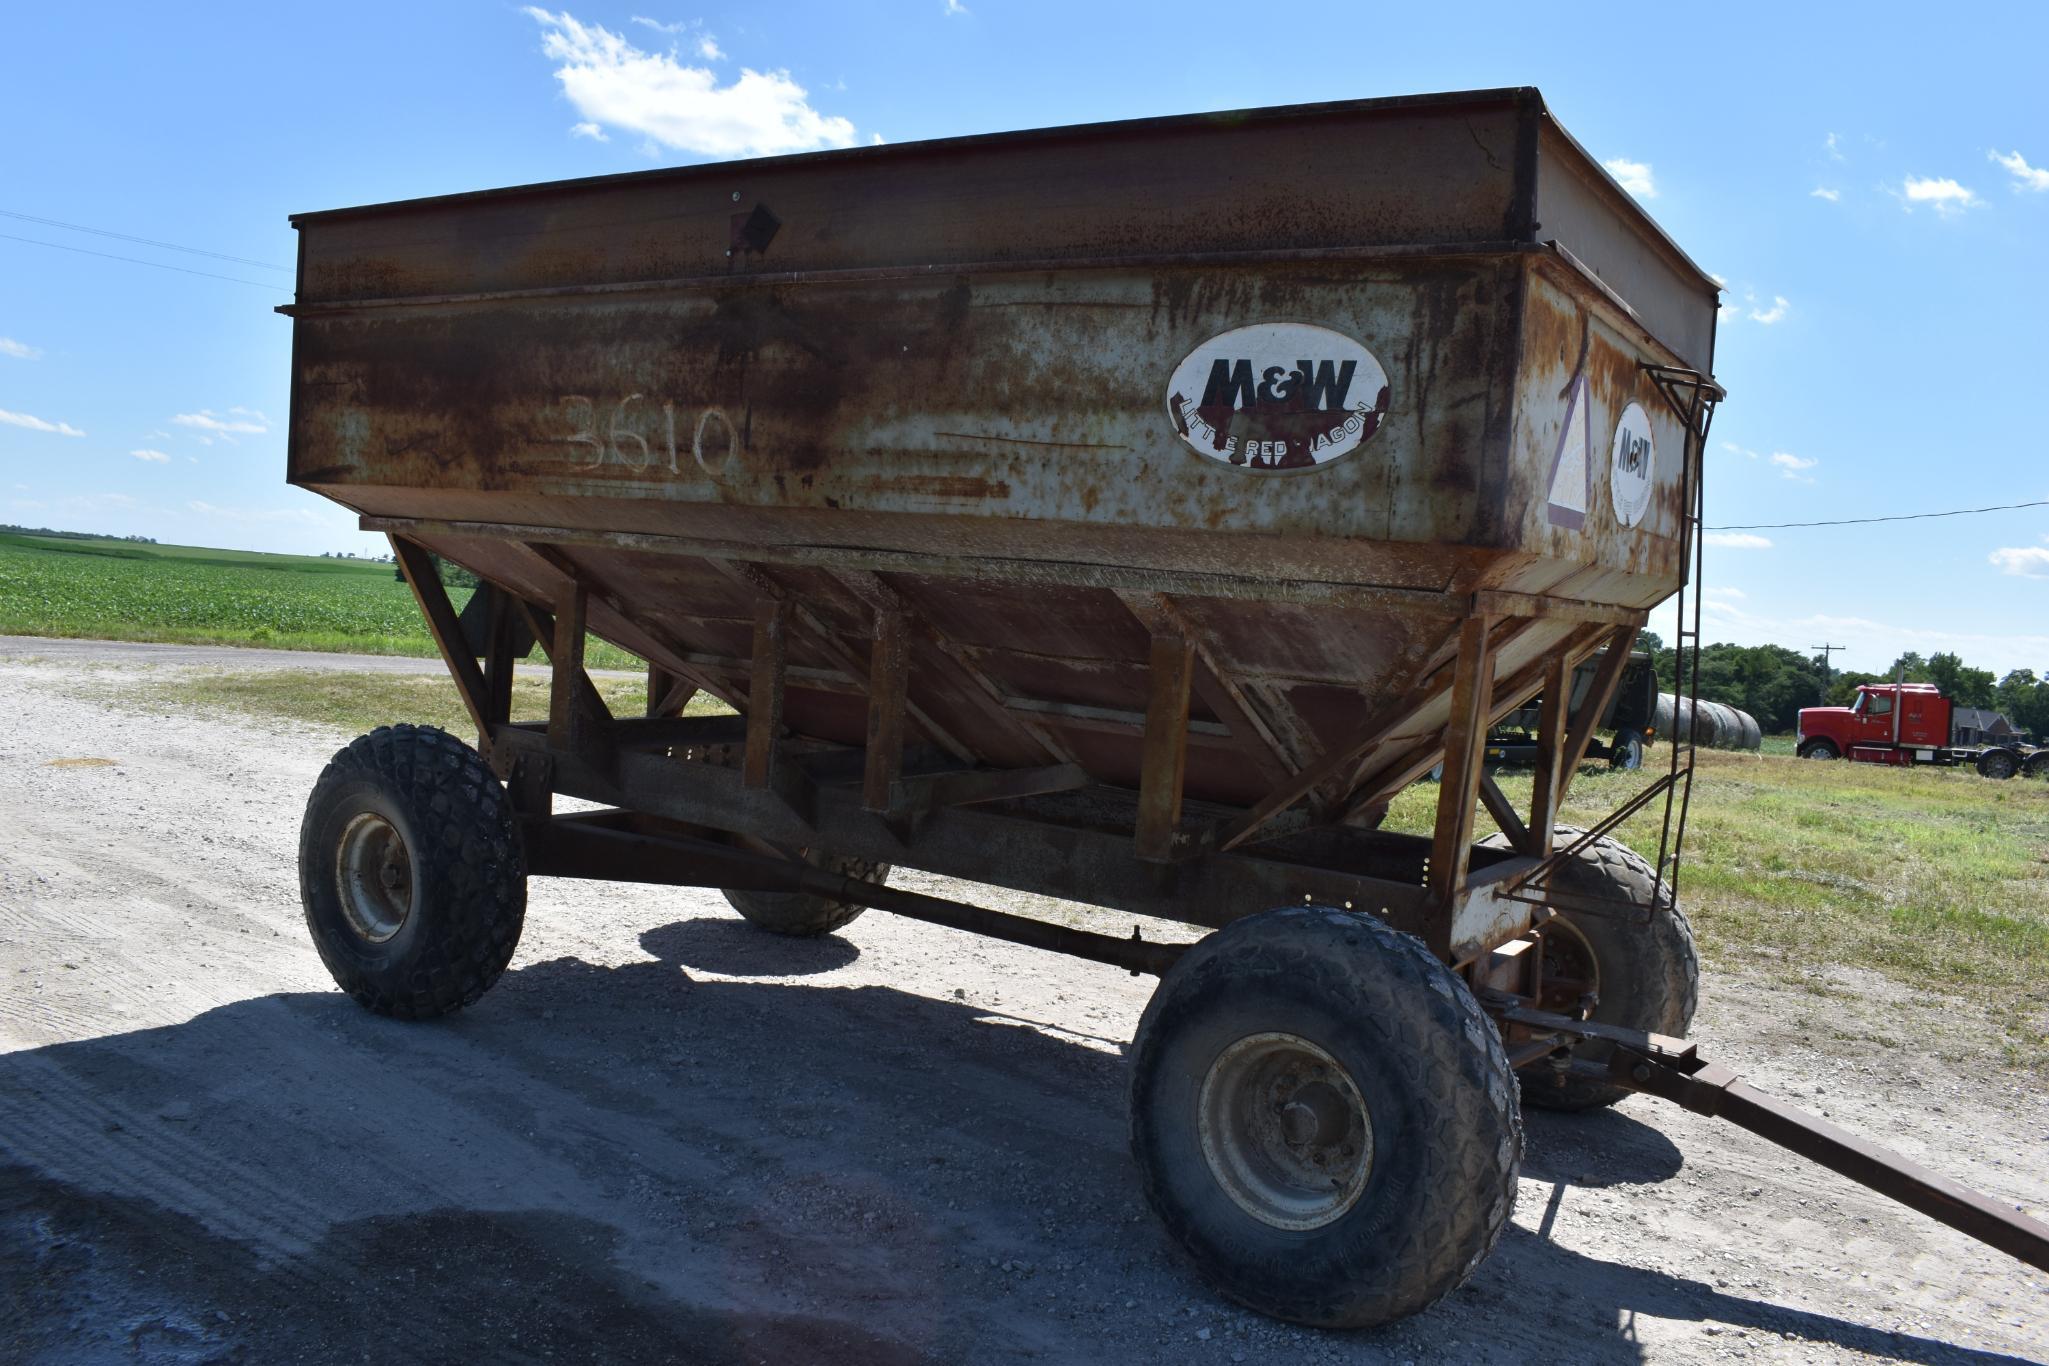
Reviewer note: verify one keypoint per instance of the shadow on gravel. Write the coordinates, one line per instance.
(1598, 1148)
(632, 1165)
(733, 948)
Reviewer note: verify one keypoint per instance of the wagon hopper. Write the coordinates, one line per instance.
(1125, 513)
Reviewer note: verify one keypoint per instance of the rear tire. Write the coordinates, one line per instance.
(1627, 751)
(2038, 764)
(1323, 1118)
(1998, 763)
(411, 872)
(1820, 749)
(801, 915)
(1642, 976)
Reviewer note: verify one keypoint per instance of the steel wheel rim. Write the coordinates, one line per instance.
(373, 877)
(1567, 951)
(1285, 1131)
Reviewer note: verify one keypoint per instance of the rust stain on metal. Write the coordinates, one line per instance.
(968, 380)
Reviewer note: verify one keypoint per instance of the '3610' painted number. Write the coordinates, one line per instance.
(631, 450)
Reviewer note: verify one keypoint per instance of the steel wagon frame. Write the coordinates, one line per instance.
(1170, 698)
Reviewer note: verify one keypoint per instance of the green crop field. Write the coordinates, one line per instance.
(128, 590)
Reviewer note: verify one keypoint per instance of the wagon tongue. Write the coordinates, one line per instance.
(1674, 1070)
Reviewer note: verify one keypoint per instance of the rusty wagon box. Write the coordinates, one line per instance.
(1126, 513)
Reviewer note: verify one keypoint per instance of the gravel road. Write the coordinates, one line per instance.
(241, 658)
(665, 1137)
(150, 654)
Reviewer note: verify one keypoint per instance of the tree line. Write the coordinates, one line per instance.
(1773, 683)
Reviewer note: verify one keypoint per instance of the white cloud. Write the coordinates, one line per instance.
(1793, 466)
(1633, 176)
(239, 421)
(1832, 146)
(1730, 594)
(588, 130)
(2022, 561)
(1743, 451)
(1941, 193)
(1768, 316)
(154, 457)
(1733, 309)
(1727, 309)
(2025, 177)
(1823, 192)
(100, 502)
(614, 84)
(706, 45)
(19, 350)
(306, 516)
(1736, 540)
(955, 7)
(36, 424)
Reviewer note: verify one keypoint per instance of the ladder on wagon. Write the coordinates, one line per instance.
(1692, 397)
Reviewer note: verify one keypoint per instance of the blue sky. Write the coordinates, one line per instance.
(1864, 177)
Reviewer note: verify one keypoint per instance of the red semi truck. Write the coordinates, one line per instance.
(1907, 723)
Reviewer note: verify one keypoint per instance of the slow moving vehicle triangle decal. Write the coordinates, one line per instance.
(1571, 466)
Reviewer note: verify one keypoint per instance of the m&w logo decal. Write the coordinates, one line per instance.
(1278, 396)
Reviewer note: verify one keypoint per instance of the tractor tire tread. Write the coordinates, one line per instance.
(472, 866)
(1442, 1044)
(1661, 999)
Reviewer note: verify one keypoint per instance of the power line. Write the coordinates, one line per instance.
(140, 241)
(1901, 517)
(137, 260)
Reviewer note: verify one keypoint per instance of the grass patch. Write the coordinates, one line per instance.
(191, 595)
(353, 703)
(1936, 879)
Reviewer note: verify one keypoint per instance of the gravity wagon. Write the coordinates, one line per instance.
(1123, 513)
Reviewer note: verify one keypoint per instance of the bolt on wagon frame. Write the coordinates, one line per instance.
(1126, 514)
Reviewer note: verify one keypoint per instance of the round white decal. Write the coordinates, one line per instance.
(1629, 467)
(1277, 396)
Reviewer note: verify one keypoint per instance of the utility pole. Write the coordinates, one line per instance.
(1826, 651)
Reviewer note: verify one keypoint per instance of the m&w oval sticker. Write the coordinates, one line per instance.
(1278, 396)
(1631, 464)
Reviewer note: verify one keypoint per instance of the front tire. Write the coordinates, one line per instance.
(1820, 749)
(1627, 751)
(411, 872)
(1642, 976)
(1323, 1118)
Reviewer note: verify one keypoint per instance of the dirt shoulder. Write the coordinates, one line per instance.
(157, 655)
(666, 1137)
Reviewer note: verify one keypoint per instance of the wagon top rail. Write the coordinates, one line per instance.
(1473, 171)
